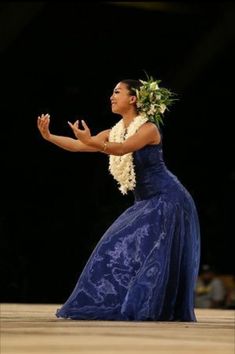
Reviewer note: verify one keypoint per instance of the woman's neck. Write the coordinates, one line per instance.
(128, 118)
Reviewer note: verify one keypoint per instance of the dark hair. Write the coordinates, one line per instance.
(131, 85)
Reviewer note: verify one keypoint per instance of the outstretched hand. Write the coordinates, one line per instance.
(83, 135)
(43, 125)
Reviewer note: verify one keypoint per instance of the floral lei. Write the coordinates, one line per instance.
(122, 167)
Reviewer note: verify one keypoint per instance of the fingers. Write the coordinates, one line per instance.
(84, 125)
(44, 118)
(43, 122)
(74, 125)
(79, 133)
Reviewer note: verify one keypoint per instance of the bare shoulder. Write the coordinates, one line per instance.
(151, 129)
(150, 126)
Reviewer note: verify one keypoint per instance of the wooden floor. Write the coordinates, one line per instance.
(29, 329)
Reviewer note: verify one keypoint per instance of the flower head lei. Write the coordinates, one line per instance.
(152, 101)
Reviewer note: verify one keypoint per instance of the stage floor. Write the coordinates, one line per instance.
(33, 328)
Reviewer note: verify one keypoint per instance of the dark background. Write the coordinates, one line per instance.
(64, 59)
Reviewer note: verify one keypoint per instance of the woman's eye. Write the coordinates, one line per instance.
(116, 91)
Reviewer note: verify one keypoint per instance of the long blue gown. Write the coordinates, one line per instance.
(145, 266)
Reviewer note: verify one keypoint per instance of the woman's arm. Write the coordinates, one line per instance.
(68, 143)
(147, 134)
(75, 145)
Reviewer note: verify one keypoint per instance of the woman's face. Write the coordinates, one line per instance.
(121, 100)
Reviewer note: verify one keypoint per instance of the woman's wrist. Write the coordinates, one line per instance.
(104, 146)
(48, 137)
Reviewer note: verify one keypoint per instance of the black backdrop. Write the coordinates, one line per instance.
(64, 59)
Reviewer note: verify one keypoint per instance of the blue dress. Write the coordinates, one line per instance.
(145, 266)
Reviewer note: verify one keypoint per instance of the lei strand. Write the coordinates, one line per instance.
(122, 167)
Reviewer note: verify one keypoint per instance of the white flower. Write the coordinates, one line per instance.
(162, 107)
(122, 167)
(152, 110)
(154, 86)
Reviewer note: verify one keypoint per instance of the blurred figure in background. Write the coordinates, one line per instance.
(210, 291)
(230, 295)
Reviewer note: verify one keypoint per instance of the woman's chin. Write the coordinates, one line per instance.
(114, 110)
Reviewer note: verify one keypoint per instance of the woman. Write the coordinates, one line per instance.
(145, 266)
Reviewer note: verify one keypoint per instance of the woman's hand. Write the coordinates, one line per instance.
(43, 126)
(83, 135)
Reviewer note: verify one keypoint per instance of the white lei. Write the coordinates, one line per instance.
(122, 167)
